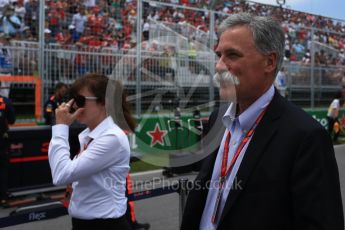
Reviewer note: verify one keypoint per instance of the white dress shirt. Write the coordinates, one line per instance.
(238, 127)
(79, 22)
(98, 173)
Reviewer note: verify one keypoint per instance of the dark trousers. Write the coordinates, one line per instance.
(120, 223)
(331, 122)
(3, 168)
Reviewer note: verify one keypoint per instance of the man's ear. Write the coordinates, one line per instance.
(271, 62)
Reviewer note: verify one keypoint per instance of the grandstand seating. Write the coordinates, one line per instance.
(120, 17)
(109, 32)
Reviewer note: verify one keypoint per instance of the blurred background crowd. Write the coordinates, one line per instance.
(112, 23)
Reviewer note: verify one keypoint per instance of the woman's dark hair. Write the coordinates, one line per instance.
(120, 95)
(97, 84)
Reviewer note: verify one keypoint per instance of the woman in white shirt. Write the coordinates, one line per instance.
(98, 173)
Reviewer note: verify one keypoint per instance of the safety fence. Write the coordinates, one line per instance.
(173, 51)
(66, 63)
(163, 72)
(164, 69)
(56, 209)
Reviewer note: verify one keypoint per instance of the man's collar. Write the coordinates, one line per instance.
(247, 118)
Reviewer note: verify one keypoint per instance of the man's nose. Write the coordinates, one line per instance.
(220, 66)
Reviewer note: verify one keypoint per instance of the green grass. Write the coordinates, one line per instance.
(141, 166)
(341, 140)
(25, 116)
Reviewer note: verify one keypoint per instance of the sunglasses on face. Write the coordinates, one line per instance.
(80, 100)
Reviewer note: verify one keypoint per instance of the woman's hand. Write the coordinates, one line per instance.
(63, 115)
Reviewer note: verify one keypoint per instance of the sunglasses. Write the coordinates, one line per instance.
(80, 100)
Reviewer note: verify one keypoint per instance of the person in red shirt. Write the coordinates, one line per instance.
(64, 36)
(81, 60)
(96, 22)
(54, 22)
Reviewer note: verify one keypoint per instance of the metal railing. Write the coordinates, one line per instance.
(164, 70)
(190, 63)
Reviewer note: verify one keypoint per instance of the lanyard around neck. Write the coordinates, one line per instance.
(85, 147)
(225, 171)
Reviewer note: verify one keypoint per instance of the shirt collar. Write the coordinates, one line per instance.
(229, 116)
(248, 117)
(105, 124)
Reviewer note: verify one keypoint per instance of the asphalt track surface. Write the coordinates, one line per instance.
(161, 212)
(158, 211)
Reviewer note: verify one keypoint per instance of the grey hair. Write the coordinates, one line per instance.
(267, 33)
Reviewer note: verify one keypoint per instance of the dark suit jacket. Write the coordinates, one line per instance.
(288, 178)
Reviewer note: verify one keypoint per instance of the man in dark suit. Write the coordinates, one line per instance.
(274, 166)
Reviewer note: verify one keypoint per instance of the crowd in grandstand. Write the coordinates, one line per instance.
(112, 23)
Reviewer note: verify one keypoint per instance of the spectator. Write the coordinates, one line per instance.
(322, 57)
(6, 59)
(9, 22)
(146, 30)
(317, 58)
(48, 38)
(79, 20)
(53, 103)
(306, 58)
(54, 22)
(74, 34)
(298, 49)
(19, 9)
(132, 18)
(120, 37)
(96, 21)
(32, 16)
(81, 60)
(3, 4)
(5, 88)
(115, 9)
(165, 64)
(64, 36)
(89, 3)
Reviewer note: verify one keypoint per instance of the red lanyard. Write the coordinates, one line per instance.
(85, 147)
(226, 171)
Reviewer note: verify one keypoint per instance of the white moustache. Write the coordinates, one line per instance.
(226, 77)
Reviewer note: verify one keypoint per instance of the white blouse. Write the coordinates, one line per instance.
(98, 173)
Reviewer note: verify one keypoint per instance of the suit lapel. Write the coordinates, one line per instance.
(263, 134)
(212, 142)
(211, 145)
